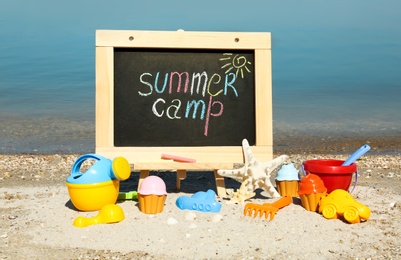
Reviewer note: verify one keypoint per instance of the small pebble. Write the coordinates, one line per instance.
(193, 226)
(171, 221)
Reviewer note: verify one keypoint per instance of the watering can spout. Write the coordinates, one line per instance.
(121, 169)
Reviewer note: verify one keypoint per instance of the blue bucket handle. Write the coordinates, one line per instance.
(356, 180)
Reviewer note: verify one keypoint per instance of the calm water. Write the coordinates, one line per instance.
(336, 65)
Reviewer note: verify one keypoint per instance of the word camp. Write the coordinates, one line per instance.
(206, 89)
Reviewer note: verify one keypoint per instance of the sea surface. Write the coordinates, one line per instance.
(336, 64)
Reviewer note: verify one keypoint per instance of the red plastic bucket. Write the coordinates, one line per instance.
(332, 173)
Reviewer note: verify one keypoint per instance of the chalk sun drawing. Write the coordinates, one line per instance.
(235, 62)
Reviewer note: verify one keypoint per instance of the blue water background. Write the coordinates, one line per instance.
(336, 64)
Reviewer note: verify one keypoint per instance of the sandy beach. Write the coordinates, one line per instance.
(323, 77)
(37, 218)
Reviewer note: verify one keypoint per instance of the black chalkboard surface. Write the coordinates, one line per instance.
(183, 97)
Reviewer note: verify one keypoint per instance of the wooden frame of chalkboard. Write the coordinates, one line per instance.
(208, 155)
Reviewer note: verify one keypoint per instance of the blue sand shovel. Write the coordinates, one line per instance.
(355, 156)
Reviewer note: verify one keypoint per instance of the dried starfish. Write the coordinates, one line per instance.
(253, 175)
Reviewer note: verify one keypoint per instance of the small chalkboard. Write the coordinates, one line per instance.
(191, 94)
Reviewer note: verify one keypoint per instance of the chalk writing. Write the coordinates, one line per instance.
(211, 86)
(196, 84)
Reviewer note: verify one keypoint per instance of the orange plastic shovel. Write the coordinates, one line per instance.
(267, 208)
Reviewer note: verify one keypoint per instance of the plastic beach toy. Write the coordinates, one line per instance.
(269, 209)
(152, 185)
(130, 195)
(287, 172)
(332, 172)
(287, 179)
(200, 201)
(152, 195)
(110, 213)
(336, 174)
(311, 184)
(99, 185)
(311, 190)
(340, 203)
(93, 196)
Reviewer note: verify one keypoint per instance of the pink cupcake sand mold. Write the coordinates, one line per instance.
(152, 185)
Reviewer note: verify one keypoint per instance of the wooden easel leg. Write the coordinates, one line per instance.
(181, 175)
(220, 184)
(142, 175)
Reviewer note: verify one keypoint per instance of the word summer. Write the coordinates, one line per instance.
(199, 85)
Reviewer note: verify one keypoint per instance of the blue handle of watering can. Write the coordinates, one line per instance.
(355, 156)
(80, 160)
